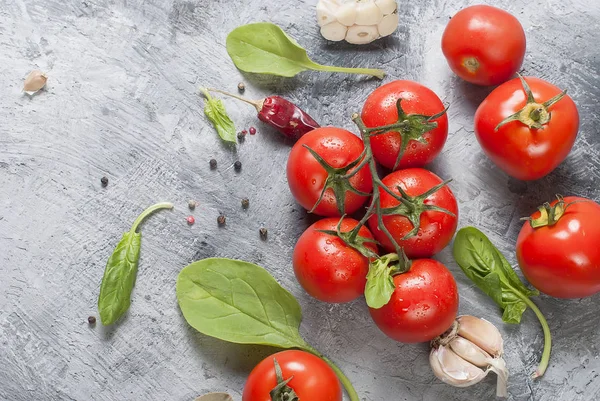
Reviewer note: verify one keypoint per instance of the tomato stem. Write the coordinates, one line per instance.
(343, 378)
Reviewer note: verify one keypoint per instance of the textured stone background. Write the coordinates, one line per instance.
(121, 102)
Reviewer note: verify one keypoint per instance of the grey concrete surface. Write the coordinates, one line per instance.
(121, 102)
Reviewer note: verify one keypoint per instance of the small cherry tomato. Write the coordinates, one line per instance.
(484, 45)
(424, 138)
(307, 176)
(312, 378)
(326, 267)
(527, 127)
(423, 306)
(434, 226)
(561, 256)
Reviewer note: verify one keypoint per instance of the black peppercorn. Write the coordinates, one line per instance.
(245, 203)
(221, 220)
(237, 165)
(92, 320)
(213, 164)
(241, 87)
(104, 181)
(241, 136)
(263, 233)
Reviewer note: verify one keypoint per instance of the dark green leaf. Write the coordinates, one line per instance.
(264, 48)
(216, 113)
(119, 278)
(483, 263)
(239, 302)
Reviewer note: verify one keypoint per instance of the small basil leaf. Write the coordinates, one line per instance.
(239, 302)
(264, 48)
(513, 312)
(214, 109)
(119, 278)
(380, 284)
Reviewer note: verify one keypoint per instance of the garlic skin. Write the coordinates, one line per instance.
(35, 81)
(364, 20)
(467, 352)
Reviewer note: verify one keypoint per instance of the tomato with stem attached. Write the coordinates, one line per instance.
(310, 378)
(484, 45)
(326, 266)
(321, 171)
(423, 304)
(557, 248)
(527, 127)
(419, 211)
(425, 128)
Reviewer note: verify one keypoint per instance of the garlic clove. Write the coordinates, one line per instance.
(386, 6)
(346, 14)
(482, 333)
(388, 24)
(325, 12)
(470, 352)
(334, 31)
(35, 81)
(368, 14)
(360, 34)
(452, 369)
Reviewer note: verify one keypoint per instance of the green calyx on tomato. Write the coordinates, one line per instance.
(352, 239)
(411, 127)
(380, 283)
(282, 392)
(534, 114)
(412, 207)
(549, 215)
(338, 179)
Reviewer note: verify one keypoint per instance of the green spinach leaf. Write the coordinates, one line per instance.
(214, 109)
(121, 270)
(238, 302)
(264, 48)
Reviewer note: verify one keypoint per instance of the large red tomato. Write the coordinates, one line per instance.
(312, 378)
(436, 227)
(423, 305)
(484, 45)
(326, 267)
(380, 109)
(307, 177)
(518, 147)
(563, 259)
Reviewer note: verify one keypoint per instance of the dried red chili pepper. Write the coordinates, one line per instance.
(281, 114)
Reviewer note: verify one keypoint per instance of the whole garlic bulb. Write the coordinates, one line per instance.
(357, 21)
(466, 353)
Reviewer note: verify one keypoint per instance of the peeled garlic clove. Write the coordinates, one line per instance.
(35, 81)
(334, 31)
(386, 6)
(359, 34)
(452, 369)
(482, 333)
(469, 351)
(325, 12)
(368, 14)
(346, 14)
(388, 24)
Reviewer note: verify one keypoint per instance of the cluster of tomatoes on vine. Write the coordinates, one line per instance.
(412, 213)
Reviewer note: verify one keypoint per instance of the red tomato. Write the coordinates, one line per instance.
(563, 260)
(423, 305)
(380, 109)
(522, 152)
(484, 45)
(306, 177)
(436, 228)
(312, 378)
(326, 267)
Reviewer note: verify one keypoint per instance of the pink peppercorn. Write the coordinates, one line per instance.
(252, 130)
(190, 220)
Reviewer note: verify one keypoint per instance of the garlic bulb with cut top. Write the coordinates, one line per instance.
(357, 21)
(467, 352)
